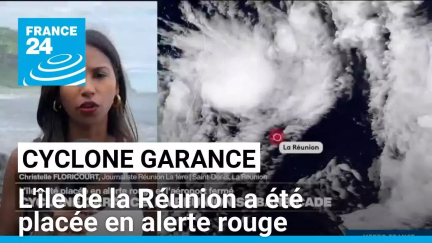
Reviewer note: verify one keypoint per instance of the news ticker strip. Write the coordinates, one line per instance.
(388, 233)
(139, 157)
(217, 239)
(31, 178)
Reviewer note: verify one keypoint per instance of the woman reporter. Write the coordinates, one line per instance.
(97, 112)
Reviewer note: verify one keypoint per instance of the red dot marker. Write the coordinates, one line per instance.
(276, 136)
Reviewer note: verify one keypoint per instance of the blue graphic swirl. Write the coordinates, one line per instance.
(59, 70)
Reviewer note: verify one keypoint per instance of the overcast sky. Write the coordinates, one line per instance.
(132, 26)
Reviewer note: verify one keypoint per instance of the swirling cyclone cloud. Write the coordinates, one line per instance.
(59, 70)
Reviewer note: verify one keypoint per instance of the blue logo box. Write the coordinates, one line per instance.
(51, 51)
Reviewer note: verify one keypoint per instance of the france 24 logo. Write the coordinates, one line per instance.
(51, 51)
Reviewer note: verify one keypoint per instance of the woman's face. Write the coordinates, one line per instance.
(89, 104)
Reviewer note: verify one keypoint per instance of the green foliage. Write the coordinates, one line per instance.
(8, 58)
(8, 39)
